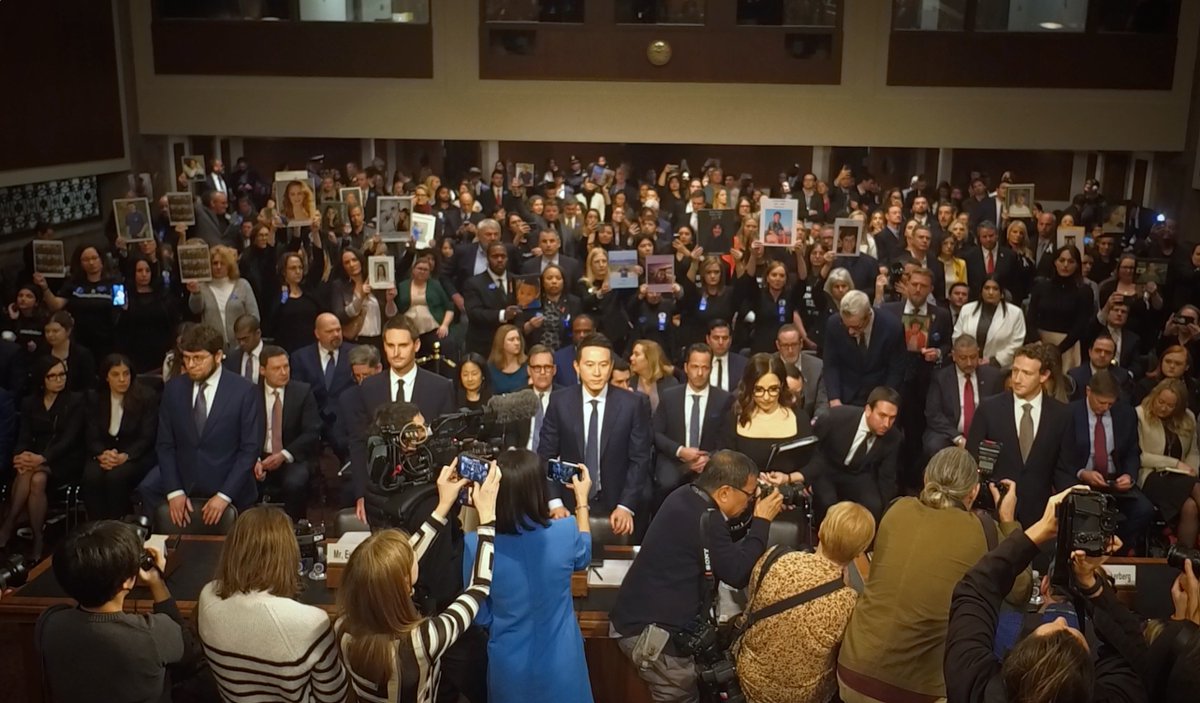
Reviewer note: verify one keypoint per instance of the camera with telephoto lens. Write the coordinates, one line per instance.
(13, 573)
(793, 494)
(715, 669)
(1087, 522)
(1176, 556)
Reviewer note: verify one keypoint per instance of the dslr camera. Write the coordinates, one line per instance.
(715, 669)
(13, 573)
(1087, 522)
(1177, 555)
(793, 494)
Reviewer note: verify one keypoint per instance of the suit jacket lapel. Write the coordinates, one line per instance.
(609, 423)
(218, 405)
(575, 415)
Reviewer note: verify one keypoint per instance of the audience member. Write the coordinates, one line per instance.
(245, 357)
(299, 305)
(1101, 357)
(728, 366)
(87, 295)
(767, 413)
(1173, 363)
(77, 359)
(489, 300)
(364, 363)
(788, 342)
(862, 350)
(422, 299)
(989, 259)
(362, 310)
(222, 300)
(292, 434)
(325, 365)
(147, 320)
(1060, 307)
(954, 395)
(1113, 319)
(507, 363)
(474, 388)
(1170, 458)
(121, 428)
(652, 373)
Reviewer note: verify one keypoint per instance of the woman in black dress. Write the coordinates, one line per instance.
(767, 412)
(474, 388)
(1061, 307)
(60, 343)
(50, 444)
(122, 424)
(710, 299)
(148, 321)
(1171, 457)
(296, 314)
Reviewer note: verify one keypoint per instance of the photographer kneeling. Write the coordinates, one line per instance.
(665, 602)
(1053, 664)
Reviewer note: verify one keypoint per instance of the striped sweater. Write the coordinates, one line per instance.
(418, 669)
(263, 648)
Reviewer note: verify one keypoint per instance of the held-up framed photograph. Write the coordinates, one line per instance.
(133, 219)
(49, 258)
(1070, 237)
(333, 216)
(622, 269)
(181, 209)
(528, 291)
(422, 230)
(195, 266)
(295, 202)
(524, 173)
(660, 273)
(916, 331)
(849, 235)
(1151, 271)
(1019, 201)
(382, 271)
(717, 229)
(192, 167)
(393, 217)
(777, 221)
(351, 196)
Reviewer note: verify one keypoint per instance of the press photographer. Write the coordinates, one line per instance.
(664, 609)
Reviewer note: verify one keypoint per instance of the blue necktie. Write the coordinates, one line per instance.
(329, 366)
(537, 424)
(591, 448)
(694, 431)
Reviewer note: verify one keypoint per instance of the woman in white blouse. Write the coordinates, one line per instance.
(998, 326)
(221, 301)
(1171, 457)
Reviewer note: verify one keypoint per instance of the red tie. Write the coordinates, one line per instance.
(968, 409)
(1100, 447)
(991, 264)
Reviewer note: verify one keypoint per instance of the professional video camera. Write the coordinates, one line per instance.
(1087, 522)
(715, 669)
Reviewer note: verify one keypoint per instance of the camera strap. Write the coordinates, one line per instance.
(989, 528)
(787, 603)
(708, 589)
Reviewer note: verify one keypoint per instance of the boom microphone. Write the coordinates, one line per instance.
(511, 407)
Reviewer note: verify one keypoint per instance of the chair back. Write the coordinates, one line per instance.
(346, 521)
(602, 534)
(164, 526)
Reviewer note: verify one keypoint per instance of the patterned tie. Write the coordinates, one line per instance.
(248, 368)
(694, 430)
(968, 408)
(591, 448)
(1100, 447)
(537, 423)
(1025, 432)
(277, 425)
(329, 366)
(200, 409)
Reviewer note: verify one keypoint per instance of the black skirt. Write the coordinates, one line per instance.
(1168, 491)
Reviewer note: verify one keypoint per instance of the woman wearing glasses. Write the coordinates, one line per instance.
(766, 411)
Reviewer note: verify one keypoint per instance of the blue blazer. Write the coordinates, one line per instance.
(306, 367)
(626, 444)
(564, 367)
(222, 458)
(1082, 374)
(1127, 455)
(850, 374)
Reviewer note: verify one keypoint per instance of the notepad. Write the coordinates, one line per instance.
(609, 574)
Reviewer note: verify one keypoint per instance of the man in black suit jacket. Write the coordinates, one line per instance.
(489, 301)
(989, 209)
(403, 381)
(1101, 356)
(856, 455)
(918, 250)
(291, 435)
(1107, 454)
(727, 366)
(619, 462)
(463, 221)
(945, 423)
(325, 367)
(862, 350)
(692, 421)
(1115, 316)
(1004, 263)
(549, 244)
(245, 357)
(889, 241)
(1044, 462)
(470, 258)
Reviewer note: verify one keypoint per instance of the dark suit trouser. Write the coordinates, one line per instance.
(839, 485)
(288, 485)
(1137, 513)
(106, 494)
(669, 474)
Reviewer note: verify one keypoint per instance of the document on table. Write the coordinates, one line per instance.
(609, 574)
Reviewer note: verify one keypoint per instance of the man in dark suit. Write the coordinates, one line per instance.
(919, 251)
(1107, 454)
(989, 259)
(727, 366)
(1101, 356)
(1115, 316)
(611, 436)
(325, 367)
(208, 436)
(582, 327)
(954, 395)
(470, 258)
(489, 301)
(862, 350)
(245, 358)
(213, 221)
(463, 221)
(692, 421)
(1032, 434)
(571, 228)
(491, 196)
(1045, 243)
(989, 209)
(889, 241)
(402, 382)
(856, 455)
(291, 436)
(549, 244)
(542, 368)
(812, 369)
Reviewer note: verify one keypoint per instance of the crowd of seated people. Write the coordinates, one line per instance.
(906, 355)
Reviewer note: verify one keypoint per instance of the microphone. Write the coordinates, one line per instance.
(511, 407)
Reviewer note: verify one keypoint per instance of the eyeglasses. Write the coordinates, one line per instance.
(759, 391)
(752, 495)
(196, 359)
(542, 369)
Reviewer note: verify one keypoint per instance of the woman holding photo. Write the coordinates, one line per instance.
(811, 300)
(363, 310)
(711, 299)
(87, 295)
(608, 307)
(774, 303)
(296, 315)
(26, 318)
(299, 205)
(651, 372)
(222, 300)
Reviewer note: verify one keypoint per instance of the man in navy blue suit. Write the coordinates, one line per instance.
(1108, 455)
(611, 436)
(325, 367)
(582, 327)
(1102, 355)
(862, 351)
(209, 435)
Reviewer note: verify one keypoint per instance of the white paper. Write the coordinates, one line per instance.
(609, 574)
(1122, 574)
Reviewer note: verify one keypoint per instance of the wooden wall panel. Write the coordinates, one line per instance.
(269, 155)
(1049, 170)
(64, 102)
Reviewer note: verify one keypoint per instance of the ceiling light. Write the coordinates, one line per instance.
(1050, 25)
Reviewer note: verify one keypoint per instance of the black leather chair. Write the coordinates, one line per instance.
(163, 525)
(346, 521)
(602, 534)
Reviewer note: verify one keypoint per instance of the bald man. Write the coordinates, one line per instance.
(325, 365)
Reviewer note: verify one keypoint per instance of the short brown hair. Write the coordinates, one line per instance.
(260, 554)
(846, 531)
(1053, 668)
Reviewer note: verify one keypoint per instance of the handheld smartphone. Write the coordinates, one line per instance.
(473, 468)
(118, 295)
(562, 471)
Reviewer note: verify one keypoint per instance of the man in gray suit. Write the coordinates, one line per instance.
(213, 221)
(787, 342)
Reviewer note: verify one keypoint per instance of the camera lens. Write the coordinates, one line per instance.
(1177, 555)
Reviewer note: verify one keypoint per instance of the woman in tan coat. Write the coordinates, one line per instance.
(1170, 457)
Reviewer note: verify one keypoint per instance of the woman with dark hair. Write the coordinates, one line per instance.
(474, 387)
(812, 302)
(50, 443)
(296, 314)
(60, 345)
(26, 318)
(87, 295)
(1060, 306)
(550, 324)
(766, 412)
(149, 317)
(172, 364)
(363, 311)
(122, 424)
(535, 649)
(1144, 300)
(710, 299)
(259, 265)
(774, 302)
(422, 299)
(998, 325)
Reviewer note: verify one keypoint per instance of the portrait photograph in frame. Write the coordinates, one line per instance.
(295, 202)
(382, 272)
(660, 273)
(133, 219)
(777, 221)
(849, 236)
(622, 269)
(1018, 202)
(393, 217)
(193, 167)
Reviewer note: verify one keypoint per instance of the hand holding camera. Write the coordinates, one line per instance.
(768, 507)
(1185, 593)
(1046, 528)
(483, 495)
(1086, 568)
(1004, 496)
(151, 566)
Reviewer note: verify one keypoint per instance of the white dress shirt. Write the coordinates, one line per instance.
(117, 411)
(723, 362)
(409, 379)
(862, 434)
(1035, 412)
(210, 394)
(544, 399)
(481, 260)
(587, 415)
(689, 399)
(325, 355)
(269, 403)
(500, 282)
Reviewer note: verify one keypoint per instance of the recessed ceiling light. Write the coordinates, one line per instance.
(1050, 25)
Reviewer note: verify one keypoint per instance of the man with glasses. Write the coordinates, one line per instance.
(812, 369)
(542, 369)
(209, 436)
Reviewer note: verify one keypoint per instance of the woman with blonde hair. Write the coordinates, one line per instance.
(222, 300)
(954, 265)
(1024, 270)
(508, 365)
(607, 306)
(1171, 457)
(299, 204)
(652, 373)
(260, 641)
(894, 647)
(390, 650)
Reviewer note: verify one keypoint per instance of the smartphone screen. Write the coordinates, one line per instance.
(118, 295)
(561, 471)
(472, 468)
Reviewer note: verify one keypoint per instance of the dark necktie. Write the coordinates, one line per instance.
(1026, 431)
(720, 374)
(537, 423)
(400, 391)
(591, 448)
(1100, 447)
(329, 366)
(248, 369)
(694, 430)
(277, 425)
(968, 405)
(200, 409)
(860, 454)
